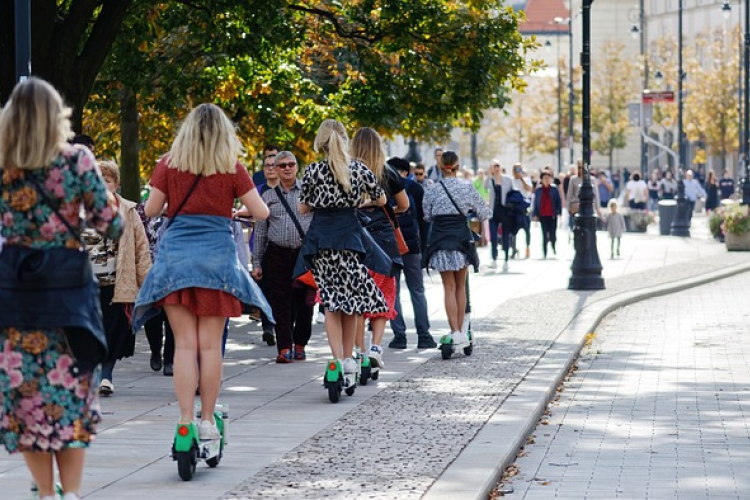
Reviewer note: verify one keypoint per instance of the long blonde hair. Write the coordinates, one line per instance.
(206, 144)
(367, 147)
(332, 140)
(34, 126)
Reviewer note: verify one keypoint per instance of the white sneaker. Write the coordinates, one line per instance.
(208, 431)
(465, 326)
(376, 356)
(106, 388)
(493, 264)
(349, 365)
(505, 266)
(69, 496)
(459, 338)
(320, 319)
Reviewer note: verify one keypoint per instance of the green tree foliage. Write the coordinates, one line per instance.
(613, 87)
(281, 66)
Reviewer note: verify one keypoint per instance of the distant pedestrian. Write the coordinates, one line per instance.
(615, 228)
(197, 277)
(653, 191)
(121, 265)
(605, 188)
(726, 185)
(636, 193)
(158, 331)
(546, 209)
(420, 176)
(712, 192)
(693, 192)
(522, 184)
(412, 226)
(48, 403)
(269, 156)
(451, 249)
(498, 185)
(667, 186)
(435, 172)
(277, 245)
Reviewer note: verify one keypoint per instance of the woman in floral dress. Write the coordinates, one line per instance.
(47, 410)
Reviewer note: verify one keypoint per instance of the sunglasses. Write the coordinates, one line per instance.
(286, 165)
(419, 174)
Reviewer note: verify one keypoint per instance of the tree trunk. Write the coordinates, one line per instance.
(68, 46)
(130, 174)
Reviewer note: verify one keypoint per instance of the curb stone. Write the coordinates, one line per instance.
(479, 467)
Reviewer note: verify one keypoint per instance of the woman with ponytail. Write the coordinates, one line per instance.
(367, 147)
(337, 249)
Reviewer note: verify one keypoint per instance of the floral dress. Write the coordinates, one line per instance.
(343, 280)
(43, 406)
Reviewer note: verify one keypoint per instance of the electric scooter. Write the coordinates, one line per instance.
(188, 449)
(336, 381)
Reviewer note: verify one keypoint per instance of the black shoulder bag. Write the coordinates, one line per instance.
(474, 236)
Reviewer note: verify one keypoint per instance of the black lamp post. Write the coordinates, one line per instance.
(587, 268)
(746, 128)
(23, 39)
(413, 154)
(681, 223)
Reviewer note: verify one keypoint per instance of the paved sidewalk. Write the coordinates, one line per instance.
(406, 436)
(659, 406)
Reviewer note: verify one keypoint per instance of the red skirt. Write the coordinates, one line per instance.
(387, 285)
(205, 302)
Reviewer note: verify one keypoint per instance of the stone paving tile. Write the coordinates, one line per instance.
(367, 453)
(683, 356)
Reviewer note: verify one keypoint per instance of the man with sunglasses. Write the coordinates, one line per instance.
(277, 244)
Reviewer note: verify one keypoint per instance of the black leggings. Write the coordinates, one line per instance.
(549, 232)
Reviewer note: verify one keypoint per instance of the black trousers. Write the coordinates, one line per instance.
(549, 231)
(289, 305)
(158, 333)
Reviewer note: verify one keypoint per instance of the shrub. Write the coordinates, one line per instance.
(736, 220)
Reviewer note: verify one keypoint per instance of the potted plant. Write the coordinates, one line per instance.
(736, 228)
(715, 223)
(638, 220)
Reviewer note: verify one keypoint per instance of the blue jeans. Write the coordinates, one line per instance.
(414, 282)
(506, 239)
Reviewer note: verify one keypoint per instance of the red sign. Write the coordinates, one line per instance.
(658, 96)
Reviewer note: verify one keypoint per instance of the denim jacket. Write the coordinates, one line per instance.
(196, 251)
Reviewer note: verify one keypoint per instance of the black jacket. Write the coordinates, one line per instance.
(412, 221)
(451, 232)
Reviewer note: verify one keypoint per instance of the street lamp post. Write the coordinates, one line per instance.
(571, 95)
(681, 223)
(23, 39)
(746, 127)
(587, 268)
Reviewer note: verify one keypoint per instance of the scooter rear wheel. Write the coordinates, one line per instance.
(334, 391)
(186, 463)
(446, 350)
(365, 375)
(350, 390)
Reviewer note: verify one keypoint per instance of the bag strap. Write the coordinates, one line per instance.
(283, 201)
(184, 200)
(451, 198)
(392, 220)
(54, 207)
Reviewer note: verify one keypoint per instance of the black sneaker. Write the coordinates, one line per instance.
(426, 342)
(156, 362)
(168, 370)
(398, 342)
(269, 338)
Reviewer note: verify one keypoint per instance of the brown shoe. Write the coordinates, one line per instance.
(285, 356)
(528, 253)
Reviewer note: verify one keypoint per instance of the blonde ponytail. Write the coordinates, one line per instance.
(332, 140)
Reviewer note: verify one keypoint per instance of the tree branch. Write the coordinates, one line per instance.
(336, 23)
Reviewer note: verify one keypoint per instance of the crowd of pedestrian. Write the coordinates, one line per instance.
(338, 234)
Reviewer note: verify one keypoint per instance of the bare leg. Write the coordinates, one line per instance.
(460, 277)
(40, 466)
(378, 330)
(334, 332)
(349, 332)
(210, 329)
(449, 293)
(70, 464)
(185, 327)
(360, 340)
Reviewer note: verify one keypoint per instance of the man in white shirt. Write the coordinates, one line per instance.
(693, 191)
(636, 192)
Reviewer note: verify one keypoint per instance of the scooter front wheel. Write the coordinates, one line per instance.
(469, 349)
(186, 463)
(375, 375)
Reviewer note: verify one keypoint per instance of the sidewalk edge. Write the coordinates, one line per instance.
(481, 464)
